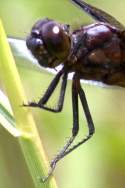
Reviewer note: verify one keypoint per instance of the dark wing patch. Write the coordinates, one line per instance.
(98, 14)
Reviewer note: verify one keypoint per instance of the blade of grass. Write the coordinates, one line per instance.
(29, 141)
(6, 117)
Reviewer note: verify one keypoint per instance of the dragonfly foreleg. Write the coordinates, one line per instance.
(42, 102)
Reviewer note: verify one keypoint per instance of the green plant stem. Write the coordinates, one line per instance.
(29, 141)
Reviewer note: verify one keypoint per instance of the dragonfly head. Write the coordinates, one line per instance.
(49, 42)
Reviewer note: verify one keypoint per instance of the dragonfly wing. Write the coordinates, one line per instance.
(98, 14)
(20, 50)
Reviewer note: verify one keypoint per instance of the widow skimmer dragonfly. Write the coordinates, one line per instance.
(93, 52)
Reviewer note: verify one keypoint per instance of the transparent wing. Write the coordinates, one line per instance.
(98, 14)
(20, 50)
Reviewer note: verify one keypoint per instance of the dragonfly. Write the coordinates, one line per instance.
(94, 52)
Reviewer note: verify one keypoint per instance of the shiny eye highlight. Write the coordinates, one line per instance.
(35, 33)
(56, 39)
(55, 29)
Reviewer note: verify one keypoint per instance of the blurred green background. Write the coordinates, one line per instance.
(101, 161)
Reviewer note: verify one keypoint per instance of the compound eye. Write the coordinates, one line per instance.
(56, 39)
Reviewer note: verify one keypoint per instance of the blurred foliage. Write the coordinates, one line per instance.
(101, 161)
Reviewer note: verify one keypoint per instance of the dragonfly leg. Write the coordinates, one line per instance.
(88, 118)
(42, 102)
(75, 130)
